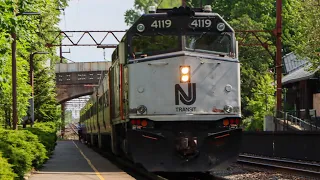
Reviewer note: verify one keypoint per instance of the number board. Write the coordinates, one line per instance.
(202, 23)
(178, 24)
(161, 24)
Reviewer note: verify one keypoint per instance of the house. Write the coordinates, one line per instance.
(301, 87)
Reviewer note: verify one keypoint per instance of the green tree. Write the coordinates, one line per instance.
(309, 23)
(32, 35)
(256, 62)
(68, 117)
(46, 106)
(141, 7)
(262, 103)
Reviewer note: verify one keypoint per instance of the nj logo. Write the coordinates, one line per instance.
(187, 99)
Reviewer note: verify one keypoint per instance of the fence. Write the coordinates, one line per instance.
(298, 145)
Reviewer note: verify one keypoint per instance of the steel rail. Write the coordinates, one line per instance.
(267, 162)
(281, 160)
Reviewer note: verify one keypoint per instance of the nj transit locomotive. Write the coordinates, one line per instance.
(171, 99)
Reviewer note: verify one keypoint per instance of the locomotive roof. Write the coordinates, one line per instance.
(179, 22)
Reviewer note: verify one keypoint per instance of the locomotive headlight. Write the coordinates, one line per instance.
(185, 78)
(141, 109)
(184, 74)
(185, 70)
(228, 108)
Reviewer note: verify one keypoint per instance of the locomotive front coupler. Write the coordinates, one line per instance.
(186, 146)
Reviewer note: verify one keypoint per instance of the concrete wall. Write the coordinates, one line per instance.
(268, 124)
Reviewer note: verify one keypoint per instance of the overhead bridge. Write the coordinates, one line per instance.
(74, 80)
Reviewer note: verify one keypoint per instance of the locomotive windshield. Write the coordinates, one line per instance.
(220, 43)
(149, 45)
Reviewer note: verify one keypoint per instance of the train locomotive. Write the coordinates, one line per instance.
(171, 98)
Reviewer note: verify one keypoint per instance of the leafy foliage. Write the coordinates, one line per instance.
(46, 133)
(141, 7)
(22, 149)
(32, 35)
(46, 106)
(6, 172)
(262, 103)
(26, 148)
(309, 23)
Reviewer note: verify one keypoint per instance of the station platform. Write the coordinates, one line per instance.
(74, 160)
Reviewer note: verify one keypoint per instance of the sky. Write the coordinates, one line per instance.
(92, 15)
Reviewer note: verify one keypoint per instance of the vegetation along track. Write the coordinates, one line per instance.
(283, 165)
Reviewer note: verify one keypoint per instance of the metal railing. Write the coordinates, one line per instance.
(303, 124)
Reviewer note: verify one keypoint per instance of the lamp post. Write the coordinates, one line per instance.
(14, 73)
(31, 110)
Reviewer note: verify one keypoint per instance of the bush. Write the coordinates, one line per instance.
(38, 149)
(22, 149)
(46, 132)
(251, 124)
(25, 149)
(6, 172)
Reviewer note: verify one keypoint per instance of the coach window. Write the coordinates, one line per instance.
(149, 45)
(217, 43)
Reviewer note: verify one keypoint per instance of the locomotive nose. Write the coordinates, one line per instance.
(186, 146)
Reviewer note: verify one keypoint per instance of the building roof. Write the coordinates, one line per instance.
(291, 62)
(300, 74)
(297, 69)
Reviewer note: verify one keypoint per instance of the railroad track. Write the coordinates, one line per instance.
(283, 165)
(70, 132)
(72, 126)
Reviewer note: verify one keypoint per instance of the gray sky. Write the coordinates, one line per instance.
(93, 15)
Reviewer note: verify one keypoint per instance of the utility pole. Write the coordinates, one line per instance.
(14, 82)
(14, 72)
(279, 54)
